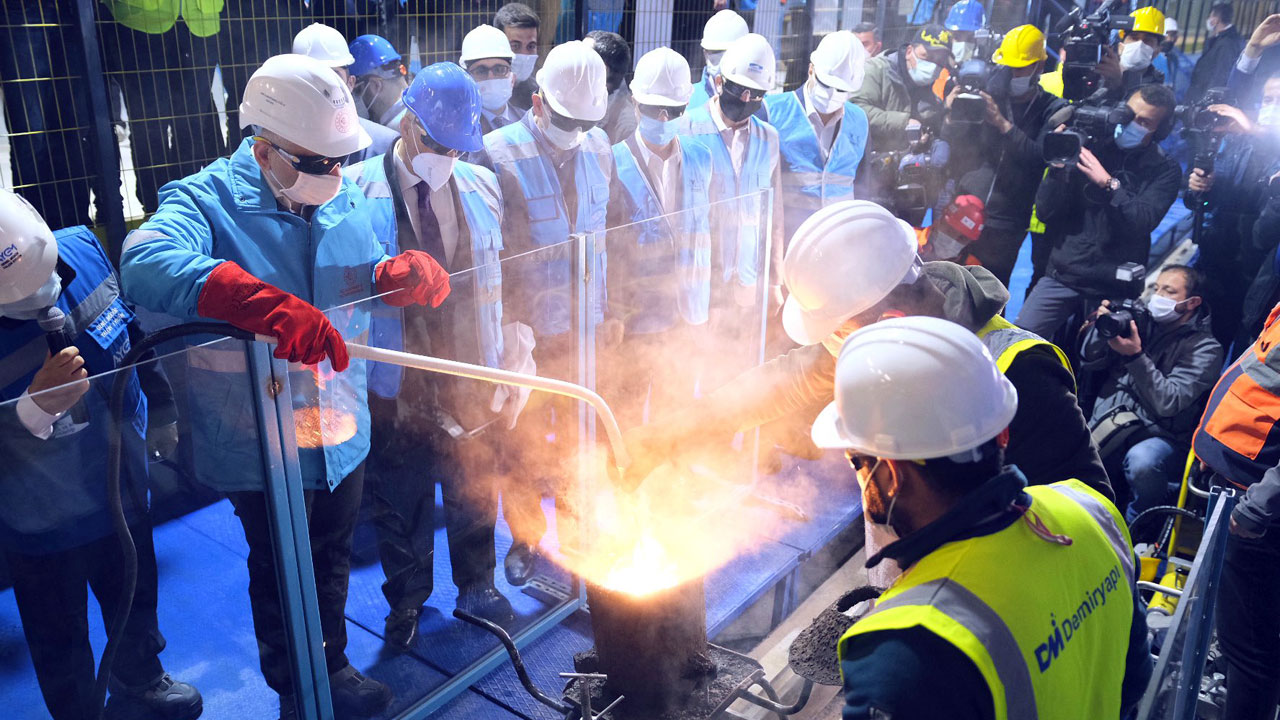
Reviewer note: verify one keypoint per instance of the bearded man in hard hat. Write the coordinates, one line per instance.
(279, 209)
(421, 196)
(555, 168)
(748, 217)
(329, 47)
(823, 136)
(55, 527)
(717, 35)
(380, 79)
(1019, 602)
(850, 265)
(486, 56)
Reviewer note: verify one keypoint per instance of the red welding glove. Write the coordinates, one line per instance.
(419, 277)
(304, 334)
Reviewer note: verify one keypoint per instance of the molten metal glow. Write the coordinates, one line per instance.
(318, 427)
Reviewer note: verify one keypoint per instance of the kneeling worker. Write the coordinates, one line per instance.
(922, 412)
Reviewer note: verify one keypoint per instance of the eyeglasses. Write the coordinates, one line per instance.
(859, 462)
(733, 89)
(567, 123)
(655, 111)
(436, 147)
(309, 164)
(392, 69)
(486, 72)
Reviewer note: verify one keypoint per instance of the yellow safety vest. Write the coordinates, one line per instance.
(1047, 625)
(1004, 341)
(159, 16)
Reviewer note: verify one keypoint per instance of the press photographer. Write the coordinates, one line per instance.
(998, 115)
(1130, 66)
(1099, 212)
(897, 89)
(1160, 360)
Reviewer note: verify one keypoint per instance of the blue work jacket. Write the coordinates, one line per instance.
(703, 90)
(53, 492)
(227, 212)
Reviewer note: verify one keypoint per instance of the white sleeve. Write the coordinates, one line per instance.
(34, 419)
(1247, 64)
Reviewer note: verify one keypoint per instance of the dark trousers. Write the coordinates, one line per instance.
(998, 251)
(407, 464)
(331, 521)
(1249, 626)
(53, 604)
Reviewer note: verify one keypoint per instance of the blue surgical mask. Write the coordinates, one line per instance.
(1130, 136)
(924, 72)
(658, 132)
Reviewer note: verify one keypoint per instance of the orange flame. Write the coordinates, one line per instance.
(317, 427)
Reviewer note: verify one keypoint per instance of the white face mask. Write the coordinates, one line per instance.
(434, 170)
(1269, 116)
(308, 189)
(563, 139)
(29, 307)
(1210, 25)
(826, 99)
(1136, 56)
(924, 72)
(713, 62)
(962, 51)
(523, 66)
(1163, 309)
(495, 93)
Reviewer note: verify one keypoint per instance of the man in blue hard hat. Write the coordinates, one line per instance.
(964, 20)
(431, 428)
(380, 79)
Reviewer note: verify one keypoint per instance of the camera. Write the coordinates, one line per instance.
(1087, 40)
(968, 107)
(907, 181)
(1198, 116)
(1116, 323)
(1088, 125)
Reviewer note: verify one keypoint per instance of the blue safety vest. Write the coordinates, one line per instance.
(703, 91)
(475, 302)
(668, 251)
(227, 212)
(54, 491)
(741, 214)
(519, 153)
(808, 181)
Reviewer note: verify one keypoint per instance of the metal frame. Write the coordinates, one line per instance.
(107, 183)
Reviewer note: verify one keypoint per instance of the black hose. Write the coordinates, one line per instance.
(115, 502)
(773, 704)
(516, 660)
(1161, 510)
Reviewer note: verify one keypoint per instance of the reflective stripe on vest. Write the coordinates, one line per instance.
(1046, 625)
(741, 214)
(1238, 432)
(548, 275)
(810, 181)
(1004, 341)
(669, 253)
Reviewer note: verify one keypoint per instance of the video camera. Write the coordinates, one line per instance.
(1086, 126)
(1116, 323)
(1202, 127)
(1087, 40)
(907, 181)
(968, 106)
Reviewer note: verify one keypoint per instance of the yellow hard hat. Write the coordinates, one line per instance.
(1148, 19)
(1021, 47)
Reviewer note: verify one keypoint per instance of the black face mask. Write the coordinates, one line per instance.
(736, 110)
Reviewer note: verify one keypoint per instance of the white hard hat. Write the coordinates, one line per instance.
(1170, 25)
(323, 43)
(722, 29)
(839, 61)
(915, 388)
(485, 41)
(28, 251)
(842, 260)
(749, 62)
(305, 102)
(662, 78)
(572, 81)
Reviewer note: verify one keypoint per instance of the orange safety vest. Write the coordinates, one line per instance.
(1239, 434)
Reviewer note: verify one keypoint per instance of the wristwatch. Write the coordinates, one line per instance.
(1113, 184)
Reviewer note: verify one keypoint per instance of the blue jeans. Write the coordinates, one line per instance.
(1151, 467)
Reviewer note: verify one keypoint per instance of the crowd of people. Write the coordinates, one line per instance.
(863, 227)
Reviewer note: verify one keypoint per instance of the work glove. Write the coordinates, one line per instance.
(417, 274)
(304, 335)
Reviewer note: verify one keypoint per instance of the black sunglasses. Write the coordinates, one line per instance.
(309, 164)
(655, 111)
(733, 89)
(567, 123)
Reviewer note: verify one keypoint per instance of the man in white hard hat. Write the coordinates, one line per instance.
(852, 264)
(660, 250)
(719, 33)
(279, 209)
(486, 56)
(823, 135)
(55, 527)
(747, 166)
(329, 47)
(555, 168)
(1020, 602)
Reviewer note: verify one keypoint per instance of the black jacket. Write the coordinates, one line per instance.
(1214, 65)
(1093, 231)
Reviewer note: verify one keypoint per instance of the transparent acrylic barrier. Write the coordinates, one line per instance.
(1174, 690)
(192, 431)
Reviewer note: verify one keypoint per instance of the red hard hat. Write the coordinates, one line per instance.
(965, 217)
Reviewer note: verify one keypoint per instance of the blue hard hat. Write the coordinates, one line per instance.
(966, 16)
(446, 101)
(371, 52)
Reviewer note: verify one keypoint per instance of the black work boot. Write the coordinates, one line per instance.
(401, 629)
(520, 563)
(483, 600)
(355, 694)
(164, 697)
